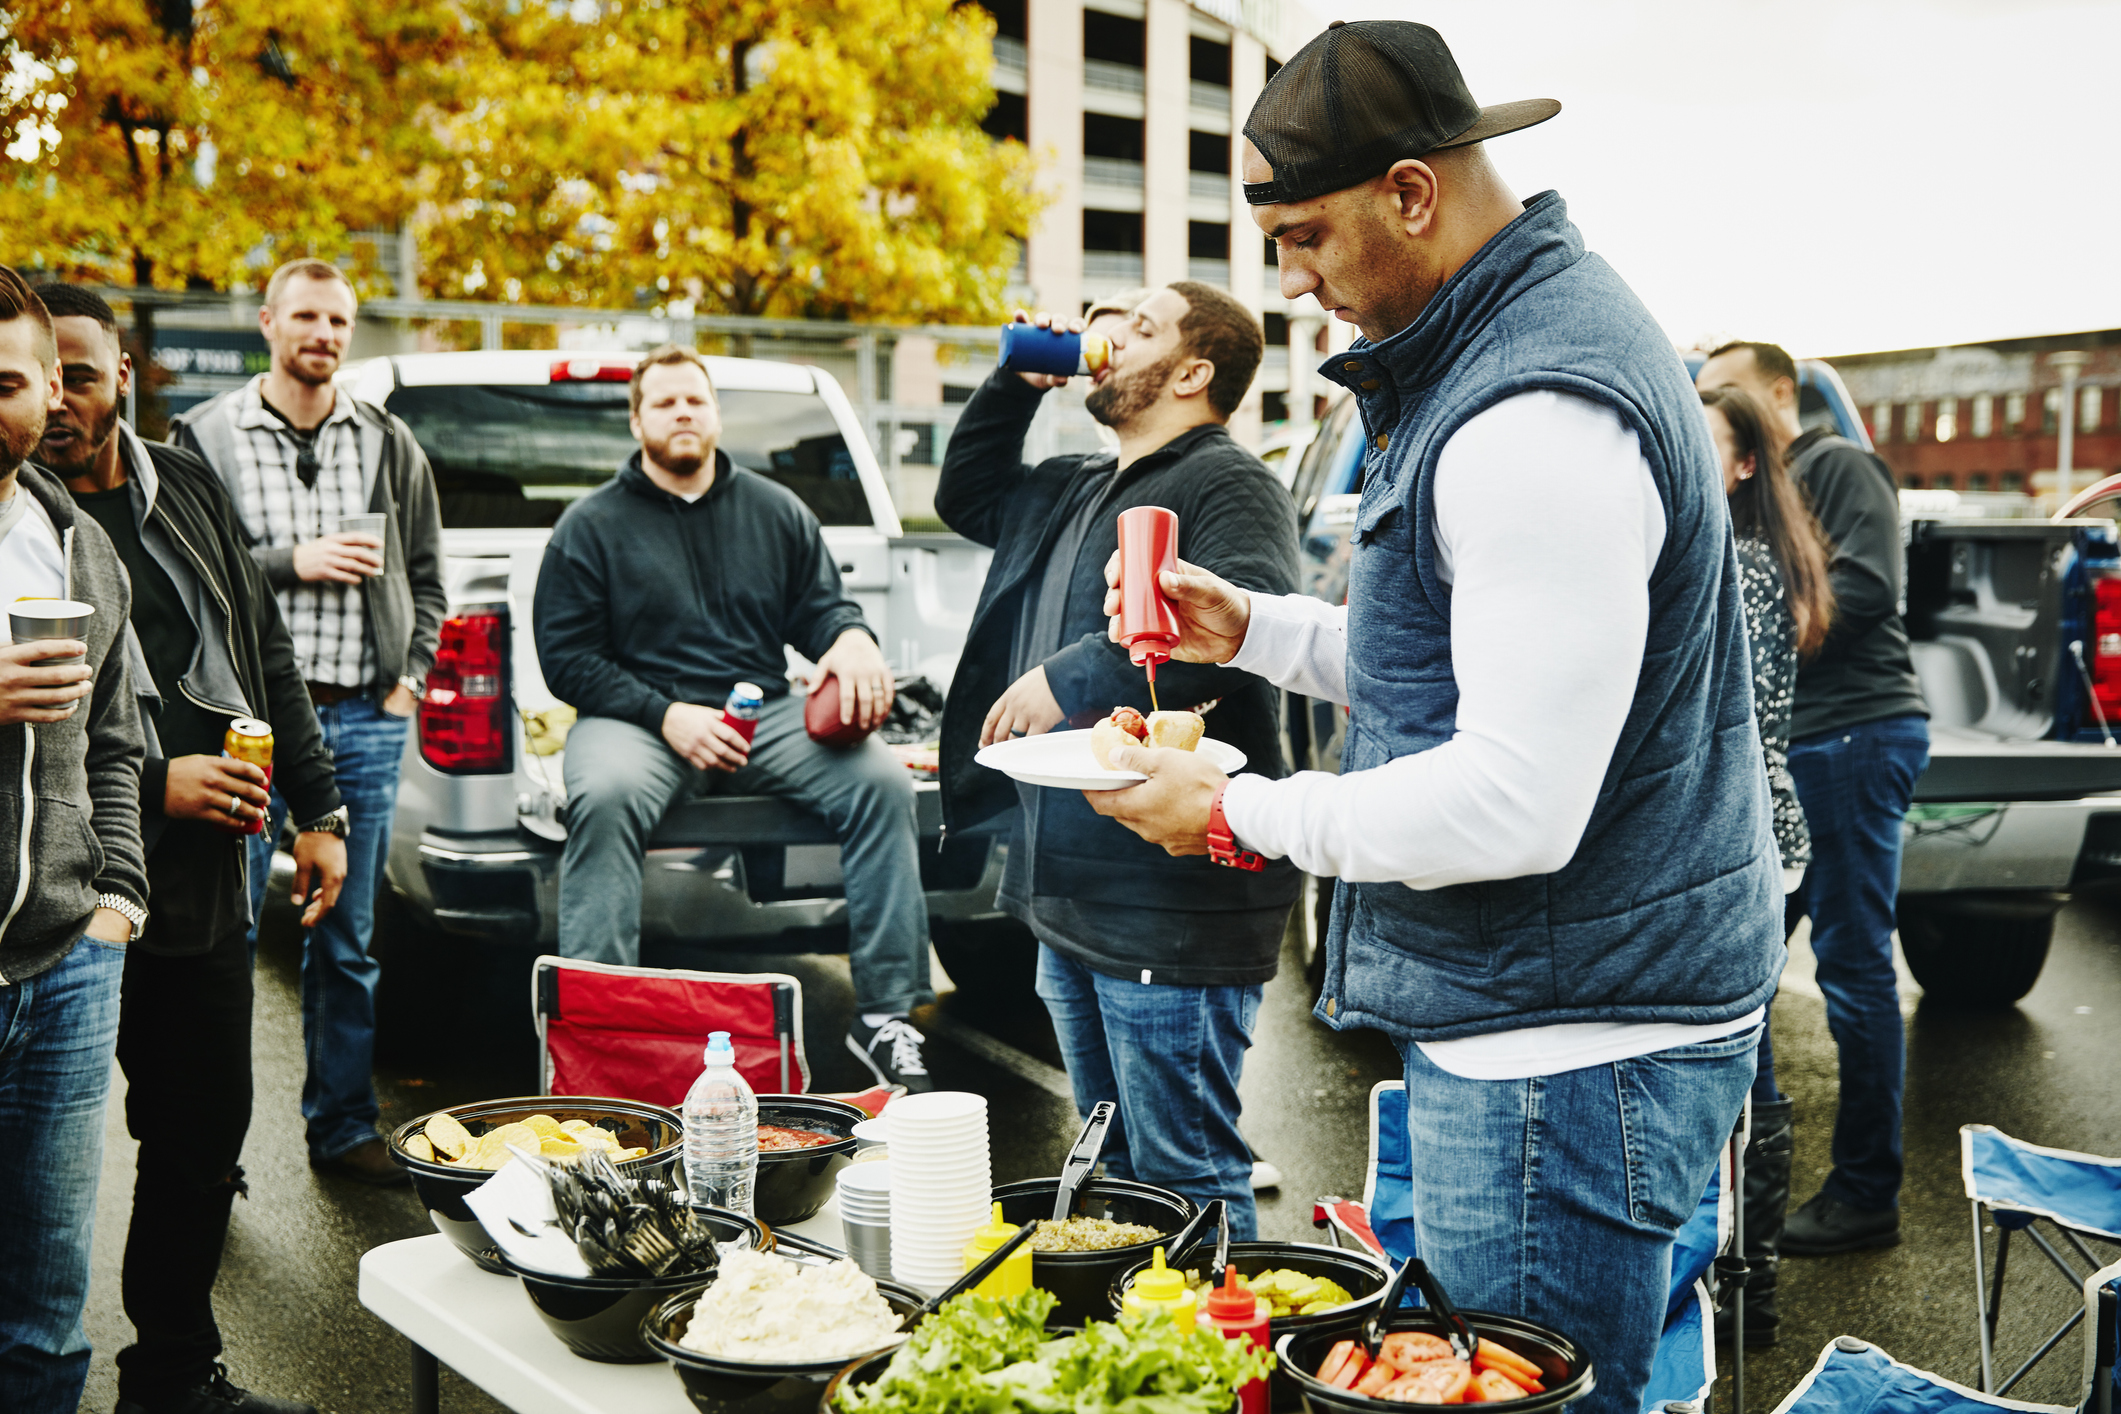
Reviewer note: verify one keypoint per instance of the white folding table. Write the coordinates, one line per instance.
(483, 1327)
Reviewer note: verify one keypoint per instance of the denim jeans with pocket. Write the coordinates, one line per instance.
(1855, 785)
(1170, 1058)
(338, 975)
(1556, 1198)
(58, 1032)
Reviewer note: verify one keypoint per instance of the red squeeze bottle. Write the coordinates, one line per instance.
(1240, 1315)
(1148, 545)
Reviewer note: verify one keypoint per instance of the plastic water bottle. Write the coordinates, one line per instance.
(721, 1131)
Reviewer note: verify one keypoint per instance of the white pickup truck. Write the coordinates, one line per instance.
(514, 438)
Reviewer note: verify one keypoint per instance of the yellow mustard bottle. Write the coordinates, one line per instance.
(1162, 1289)
(1013, 1277)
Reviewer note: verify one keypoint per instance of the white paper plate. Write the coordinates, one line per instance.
(1063, 760)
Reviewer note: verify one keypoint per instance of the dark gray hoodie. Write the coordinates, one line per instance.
(70, 791)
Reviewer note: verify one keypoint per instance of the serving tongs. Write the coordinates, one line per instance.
(1456, 1328)
(1081, 1159)
(1193, 1234)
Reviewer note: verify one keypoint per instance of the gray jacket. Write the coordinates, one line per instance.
(70, 791)
(407, 601)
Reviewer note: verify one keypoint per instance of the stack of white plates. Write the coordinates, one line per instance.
(865, 1216)
(940, 1184)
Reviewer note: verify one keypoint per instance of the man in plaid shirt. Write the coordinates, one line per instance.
(338, 504)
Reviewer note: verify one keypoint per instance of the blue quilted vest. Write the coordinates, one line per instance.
(1671, 908)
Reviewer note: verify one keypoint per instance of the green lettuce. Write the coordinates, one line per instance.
(979, 1355)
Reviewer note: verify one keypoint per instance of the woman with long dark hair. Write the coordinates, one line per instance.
(1789, 604)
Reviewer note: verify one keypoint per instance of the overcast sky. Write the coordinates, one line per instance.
(1839, 177)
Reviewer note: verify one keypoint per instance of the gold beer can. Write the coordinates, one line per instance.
(249, 739)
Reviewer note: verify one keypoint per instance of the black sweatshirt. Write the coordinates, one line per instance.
(1863, 672)
(645, 599)
(1233, 519)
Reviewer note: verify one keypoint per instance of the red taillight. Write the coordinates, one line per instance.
(464, 717)
(2106, 644)
(590, 370)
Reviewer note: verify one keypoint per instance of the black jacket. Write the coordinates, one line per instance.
(645, 599)
(1863, 672)
(1233, 518)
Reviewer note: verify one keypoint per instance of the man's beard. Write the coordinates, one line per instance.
(298, 371)
(1121, 398)
(18, 441)
(679, 464)
(85, 450)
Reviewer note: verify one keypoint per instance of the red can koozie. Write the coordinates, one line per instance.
(1148, 624)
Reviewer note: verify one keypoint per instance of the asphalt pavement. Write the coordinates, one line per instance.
(2043, 1071)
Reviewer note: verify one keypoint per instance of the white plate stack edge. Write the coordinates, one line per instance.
(941, 1184)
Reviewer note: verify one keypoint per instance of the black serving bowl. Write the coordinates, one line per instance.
(1079, 1280)
(794, 1184)
(1563, 1367)
(599, 1318)
(1362, 1275)
(442, 1187)
(718, 1386)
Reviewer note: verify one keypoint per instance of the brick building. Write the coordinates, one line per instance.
(1987, 417)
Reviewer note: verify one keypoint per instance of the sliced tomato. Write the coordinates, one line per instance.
(1432, 1382)
(1492, 1386)
(1482, 1365)
(1507, 1360)
(1406, 1349)
(1375, 1378)
(1335, 1358)
(1358, 1365)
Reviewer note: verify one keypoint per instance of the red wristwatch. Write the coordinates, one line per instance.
(1222, 845)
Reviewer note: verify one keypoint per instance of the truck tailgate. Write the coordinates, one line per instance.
(1971, 768)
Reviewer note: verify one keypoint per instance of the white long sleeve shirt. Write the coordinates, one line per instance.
(1547, 528)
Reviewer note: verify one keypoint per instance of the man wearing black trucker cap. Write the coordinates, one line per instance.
(1558, 892)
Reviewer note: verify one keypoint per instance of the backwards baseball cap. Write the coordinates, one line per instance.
(1363, 96)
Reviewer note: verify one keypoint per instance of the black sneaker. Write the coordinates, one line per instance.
(217, 1396)
(1826, 1226)
(892, 1052)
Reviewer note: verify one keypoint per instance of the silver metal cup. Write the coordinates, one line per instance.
(363, 524)
(869, 1244)
(36, 620)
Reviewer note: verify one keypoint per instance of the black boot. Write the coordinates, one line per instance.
(1767, 1201)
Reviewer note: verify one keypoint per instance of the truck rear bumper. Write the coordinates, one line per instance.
(2020, 844)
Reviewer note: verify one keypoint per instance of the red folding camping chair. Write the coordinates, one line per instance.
(638, 1033)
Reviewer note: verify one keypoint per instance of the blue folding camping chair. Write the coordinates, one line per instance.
(1706, 1251)
(2018, 1185)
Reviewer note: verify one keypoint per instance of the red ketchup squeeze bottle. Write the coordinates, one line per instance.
(1238, 1314)
(1148, 545)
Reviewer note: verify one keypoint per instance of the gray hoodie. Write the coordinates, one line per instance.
(70, 791)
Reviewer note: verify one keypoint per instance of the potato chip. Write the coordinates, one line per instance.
(599, 1138)
(449, 1138)
(419, 1148)
(575, 1126)
(519, 1134)
(629, 1153)
(559, 1148)
(546, 1126)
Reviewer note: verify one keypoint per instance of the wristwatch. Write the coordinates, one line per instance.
(127, 909)
(416, 686)
(338, 822)
(1222, 845)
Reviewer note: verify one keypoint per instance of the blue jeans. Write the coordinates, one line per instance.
(621, 779)
(1855, 786)
(1556, 1198)
(58, 1032)
(1170, 1058)
(338, 976)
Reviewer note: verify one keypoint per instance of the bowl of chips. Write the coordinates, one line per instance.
(452, 1151)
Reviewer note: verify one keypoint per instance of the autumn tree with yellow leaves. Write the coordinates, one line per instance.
(795, 158)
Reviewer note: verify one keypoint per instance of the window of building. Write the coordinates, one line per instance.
(1273, 254)
(1947, 419)
(1911, 426)
(1273, 68)
(2088, 400)
(2014, 481)
(2051, 412)
(1113, 38)
(957, 393)
(1977, 481)
(1273, 407)
(1211, 62)
(1909, 480)
(1277, 329)
(1208, 152)
(2013, 411)
(1008, 118)
(1008, 18)
(1208, 240)
(1984, 416)
(1111, 230)
(1882, 422)
(1107, 136)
